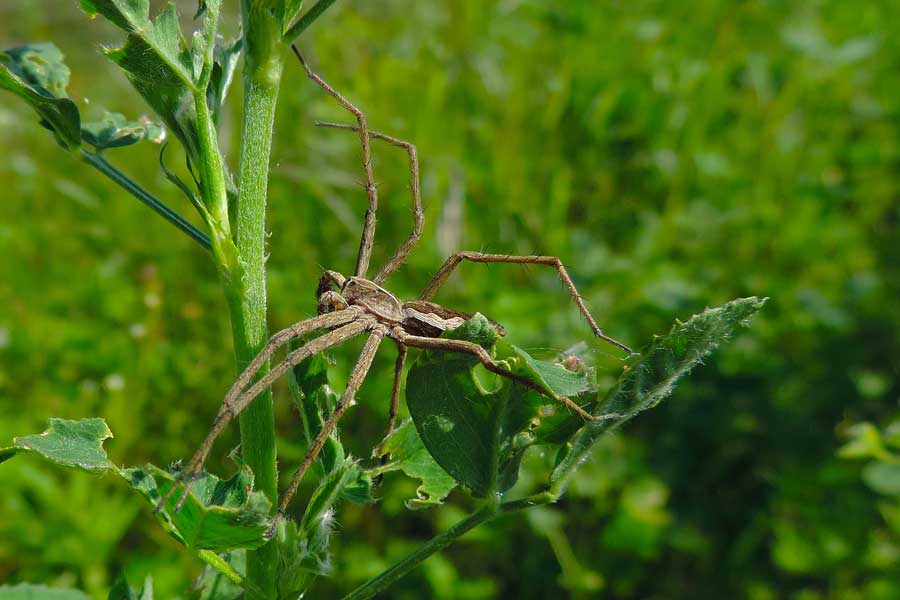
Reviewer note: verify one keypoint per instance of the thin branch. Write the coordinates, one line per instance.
(101, 164)
(486, 514)
(308, 19)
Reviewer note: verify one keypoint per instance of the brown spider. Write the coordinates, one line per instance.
(351, 306)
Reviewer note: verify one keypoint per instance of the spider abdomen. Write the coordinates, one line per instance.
(429, 319)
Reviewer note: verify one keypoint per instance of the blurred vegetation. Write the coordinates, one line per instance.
(675, 155)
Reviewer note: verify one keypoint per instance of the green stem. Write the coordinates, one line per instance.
(263, 65)
(441, 541)
(212, 171)
(308, 19)
(100, 163)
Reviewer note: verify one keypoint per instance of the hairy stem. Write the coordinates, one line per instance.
(100, 163)
(483, 515)
(247, 296)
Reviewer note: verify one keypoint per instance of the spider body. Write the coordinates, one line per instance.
(348, 307)
(415, 317)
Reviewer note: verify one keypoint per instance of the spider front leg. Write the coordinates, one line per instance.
(551, 261)
(368, 235)
(363, 363)
(466, 347)
(234, 404)
(326, 321)
(418, 212)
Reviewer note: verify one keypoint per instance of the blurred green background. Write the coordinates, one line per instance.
(675, 155)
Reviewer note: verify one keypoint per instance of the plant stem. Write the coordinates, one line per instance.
(100, 163)
(435, 544)
(263, 63)
(441, 541)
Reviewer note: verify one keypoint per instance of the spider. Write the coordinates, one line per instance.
(355, 305)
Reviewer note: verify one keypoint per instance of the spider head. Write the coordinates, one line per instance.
(330, 301)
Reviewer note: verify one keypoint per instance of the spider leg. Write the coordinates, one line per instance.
(326, 321)
(395, 403)
(233, 406)
(491, 365)
(551, 261)
(368, 235)
(418, 212)
(363, 363)
(395, 390)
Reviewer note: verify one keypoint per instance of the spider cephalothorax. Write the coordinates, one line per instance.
(351, 306)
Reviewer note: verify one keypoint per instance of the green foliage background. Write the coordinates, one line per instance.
(675, 155)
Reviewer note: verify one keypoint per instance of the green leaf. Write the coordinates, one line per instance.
(407, 453)
(217, 515)
(651, 376)
(115, 131)
(222, 576)
(553, 377)
(300, 559)
(225, 59)
(38, 75)
(204, 44)
(479, 436)
(890, 511)
(28, 591)
(318, 509)
(865, 442)
(156, 61)
(314, 399)
(122, 590)
(291, 10)
(303, 548)
(69, 443)
(883, 477)
(161, 37)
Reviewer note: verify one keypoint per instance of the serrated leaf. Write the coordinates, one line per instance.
(115, 131)
(37, 74)
(407, 453)
(156, 61)
(217, 515)
(69, 443)
(551, 376)
(161, 36)
(479, 436)
(28, 591)
(651, 376)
